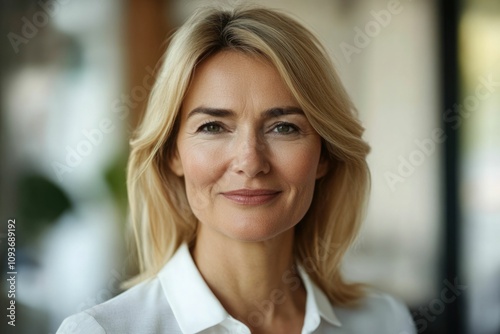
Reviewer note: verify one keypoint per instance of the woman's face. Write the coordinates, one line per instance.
(248, 155)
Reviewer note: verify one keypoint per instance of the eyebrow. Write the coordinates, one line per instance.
(269, 113)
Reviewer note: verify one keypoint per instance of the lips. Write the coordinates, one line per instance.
(251, 196)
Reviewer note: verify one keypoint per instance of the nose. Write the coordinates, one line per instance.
(250, 156)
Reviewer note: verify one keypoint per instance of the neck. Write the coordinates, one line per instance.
(252, 280)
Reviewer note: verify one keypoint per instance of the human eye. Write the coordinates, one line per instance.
(285, 128)
(210, 128)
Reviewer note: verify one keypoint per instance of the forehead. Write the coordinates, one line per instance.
(234, 80)
(234, 60)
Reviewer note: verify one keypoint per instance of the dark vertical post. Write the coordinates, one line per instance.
(146, 33)
(448, 17)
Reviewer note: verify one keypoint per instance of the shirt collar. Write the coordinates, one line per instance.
(193, 303)
(317, 304)
(190, 297)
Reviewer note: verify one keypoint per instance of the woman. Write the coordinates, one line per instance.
(247, 179)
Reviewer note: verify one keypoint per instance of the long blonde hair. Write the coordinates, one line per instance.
(161, 216)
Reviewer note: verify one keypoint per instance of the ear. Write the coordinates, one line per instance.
(323, 166)
(175, 164)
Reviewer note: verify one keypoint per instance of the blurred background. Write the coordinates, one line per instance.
(425, 76)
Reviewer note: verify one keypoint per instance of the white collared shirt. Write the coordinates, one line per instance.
(178, 300)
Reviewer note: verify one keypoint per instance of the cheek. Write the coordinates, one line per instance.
(298, 164)
(297, 168)
(203, 168)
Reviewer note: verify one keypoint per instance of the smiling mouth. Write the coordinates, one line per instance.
(251, 196)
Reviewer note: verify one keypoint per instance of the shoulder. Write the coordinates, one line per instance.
(80, 323)
(377, 313)
(141, 309)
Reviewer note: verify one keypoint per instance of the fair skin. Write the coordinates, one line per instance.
(250, 159)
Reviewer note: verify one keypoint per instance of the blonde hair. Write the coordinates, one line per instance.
(161, 216)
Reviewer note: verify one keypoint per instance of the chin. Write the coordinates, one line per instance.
(253, 230)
